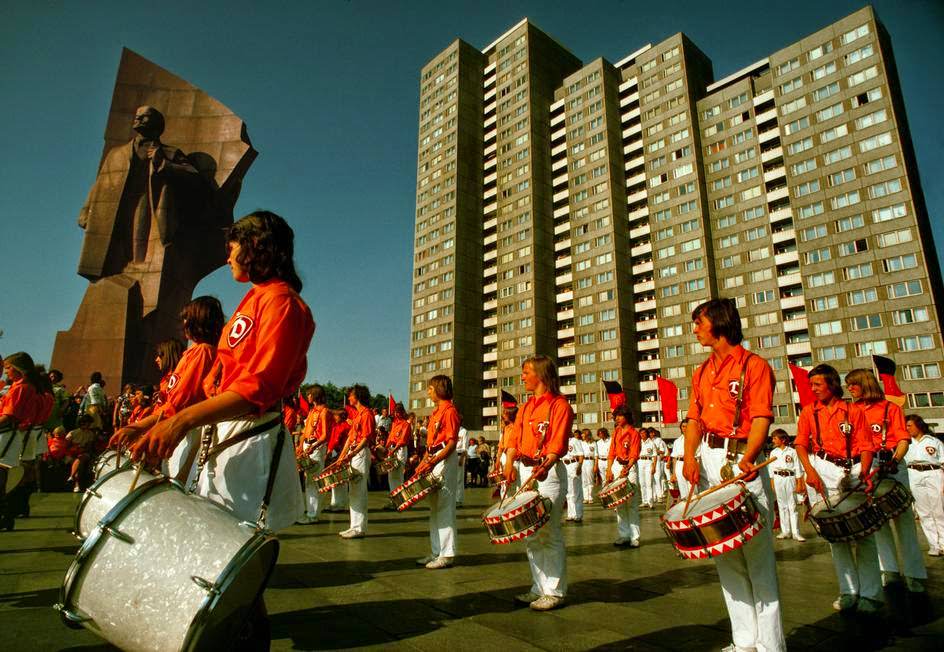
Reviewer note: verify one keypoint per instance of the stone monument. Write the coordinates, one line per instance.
(154, 221)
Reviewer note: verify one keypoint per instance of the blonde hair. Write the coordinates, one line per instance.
(864, 378)
(545, 369)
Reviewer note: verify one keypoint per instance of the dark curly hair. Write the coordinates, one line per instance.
(361, 393)
(267, 248)
(203, 320)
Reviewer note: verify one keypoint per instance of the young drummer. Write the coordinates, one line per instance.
(336, 441)
(785, 473)
(625, 448)
(925, 460)
(441, 458)
(313, 445)
(834, 445)
(543, 429)
(678, 461)
(356, 451)
(166, 357)
(729, 415)
(17, 408)
(261, 358)
(397, 445)
(509, 414)
(890, 439)
(573, 464)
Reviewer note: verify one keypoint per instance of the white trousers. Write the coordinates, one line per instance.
(546, 553)
(358, 490)
(658, 481)
(683, 485)
(627, 514)
(510, 488)
(912, 561)
(749, 574)
(395, 477)
(237, 477)
(587, 479)
(856, 563)
(442, 509)
(645, 481)
(785, 489)
(574, 491)
(460, 483)
(312, 495)
(929, 504)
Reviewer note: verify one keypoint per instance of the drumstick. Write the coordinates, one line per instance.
(137, 474)
(737, 478)
(688, 501)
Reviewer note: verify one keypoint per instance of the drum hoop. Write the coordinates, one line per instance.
(87, 496)
(224, 580)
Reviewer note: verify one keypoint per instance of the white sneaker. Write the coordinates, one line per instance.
(622, 541)
(440, 562)
(306, 519)
(783, 535)
(352, 534)
(799, 538)
(547, 602)
(422, 561)
(934, 553)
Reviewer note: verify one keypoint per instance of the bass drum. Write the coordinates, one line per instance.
(167, 571)
(109, 461)
(101, 497)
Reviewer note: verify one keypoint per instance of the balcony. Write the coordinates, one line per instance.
(650, 365)
(768, 135)
(629, 115)
(776, 173)
(490, 374)
(788, 303)
(639, 195)
(558, 135)
(636, 180)
(629, 83)
(490, 136)
(560, 149)
(564, 351)
(562, 228)
(562, 245)
(787, 257)
(563, 261)
(490, 305)
(647, 325)
(561, 212)
(561, 196)
(763, 97)
(489, 150)
(568, 390)
(490, 121)
(488, 194)
(789, 279)
(564, 333)
(639, 231)
(632, 130)
(489, 108)
(490, 208)
(490, 322)
(771, 154)
(564, 279)
(783, 236)
(779, 193)
(563, 297)
(641, 268)
(637, 214)
(561, 179)
(636, 145)
(558, 118)
(644, 286)
(569, 370)
(488, 95)
(648, 345)
(490, 239)
(490, 339)
(761, 118)
(649, 386)
(563, 315)
(491, 411)
(780, 215)
(798, 348)
(650, 406)
(490, 272)
(640, 249)
(558, 164)
(792, 325)
(491, 288)
(491, 356)
(643, 306)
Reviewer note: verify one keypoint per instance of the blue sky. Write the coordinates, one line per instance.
(329, 92)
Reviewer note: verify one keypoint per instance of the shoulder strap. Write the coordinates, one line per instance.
(885, 425)
(740, 396)
(819, 435)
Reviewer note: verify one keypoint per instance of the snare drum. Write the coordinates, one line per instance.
(856, 515)
(414, 490)
(167, 571)
(615, 493)
(109, 461)
(520, 518)
(387, 464)
(715, 524)
(328, 480)
(495, 478)
(101, 497)
(11, 446)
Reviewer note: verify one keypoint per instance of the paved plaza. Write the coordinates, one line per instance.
(329, 593)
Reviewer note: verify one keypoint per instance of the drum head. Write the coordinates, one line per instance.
(224, 616)
(14, 475)
(842, 505)
(884, 487)
(705, 504)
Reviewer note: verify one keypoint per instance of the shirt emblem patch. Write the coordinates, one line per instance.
(789, 459)
(172, 381)
(239, 330)
(930, 450)
(845, 428)
(876, 428)
(734, 388)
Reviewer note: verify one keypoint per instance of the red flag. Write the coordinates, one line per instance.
(303, 405)
(801, 378)
(391, 405)
(507, 400)
(668, 396)
(615, 393)
(885, 370)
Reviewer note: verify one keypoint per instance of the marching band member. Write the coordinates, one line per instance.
(313, 445)
(356, 451)
(834, 445)
(646, 467)
(625, 447)
(543, 428)
(890, 440)
(785, 472)
(729, 415)
(462, 453)
(925, 460)
(442, 436)
(245, 463)
(166, 356)
(573, 464)
(659, 453)
(678, 461)
(589, 465)
(509, 414)
(18, 407)
(336, 442)
(601, 450)
(397, 444)
(202, 321)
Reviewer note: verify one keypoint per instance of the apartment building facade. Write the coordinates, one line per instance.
(602, 202)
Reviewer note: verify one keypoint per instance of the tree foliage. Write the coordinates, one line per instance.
(337, 396)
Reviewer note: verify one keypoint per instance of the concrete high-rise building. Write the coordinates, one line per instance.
(584, 210)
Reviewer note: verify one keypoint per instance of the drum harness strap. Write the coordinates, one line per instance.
(819, 442)
(731, 456)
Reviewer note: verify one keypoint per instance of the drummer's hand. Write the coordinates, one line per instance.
(625, 472)
(609, 478)
(748, 467)
(540, 472)
(579, 471)
(813, 480)
(868, 478)
(160, 441)
(510, 476)
(691, 470)
(124, 437)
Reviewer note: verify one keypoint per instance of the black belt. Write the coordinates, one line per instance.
(924, 467)
(785, 473)
(570, 460)
(432, 450)
(646, 457)
(624, 462)
(735, 446)
(844, 462)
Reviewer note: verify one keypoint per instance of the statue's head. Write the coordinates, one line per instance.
(148, 121)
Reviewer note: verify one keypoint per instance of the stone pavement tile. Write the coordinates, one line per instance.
(470, 637)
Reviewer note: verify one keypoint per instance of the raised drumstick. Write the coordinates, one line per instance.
(736, 478)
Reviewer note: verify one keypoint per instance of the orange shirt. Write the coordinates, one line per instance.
(399, 433)
(184, 385)
(319, 423)
(162, 388)
(833, 419)
(140, 412)
(362, 426)
(625, 445)
(443, 425)
(261, 353)
(338, 436)
(42, 408)
(289, 416)
(543, 426)
(891, 423)
(508, 438)
(715, 387)
(19, 403)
